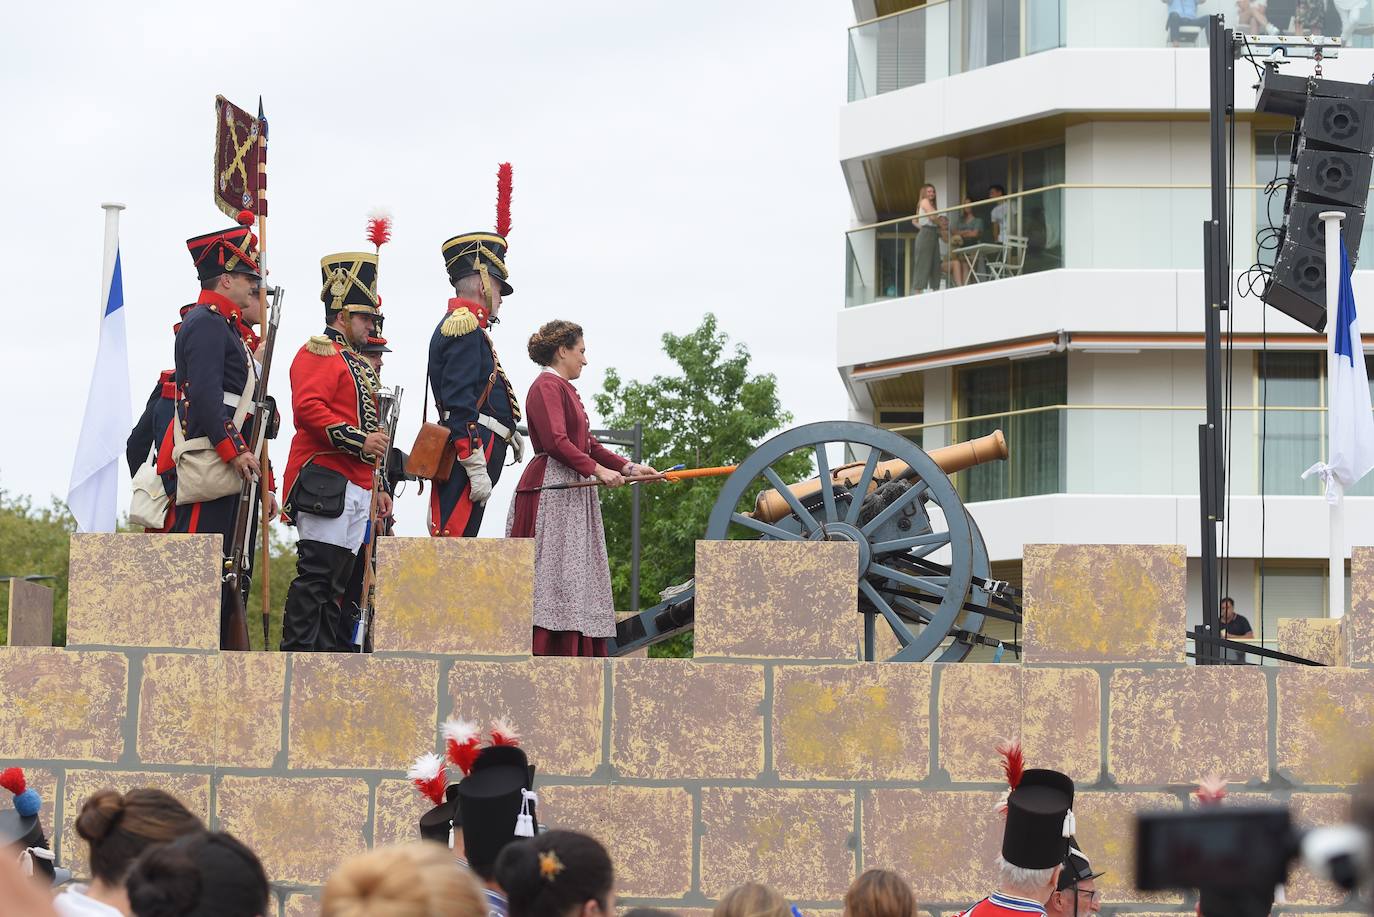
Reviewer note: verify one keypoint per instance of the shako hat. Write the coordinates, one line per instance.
(1039, 812)
(349, 279)
(482, 252)
(227, 250)
(22, 830)
(1076, 867)
(375, 344)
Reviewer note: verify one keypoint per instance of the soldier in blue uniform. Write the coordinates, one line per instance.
(471, 392)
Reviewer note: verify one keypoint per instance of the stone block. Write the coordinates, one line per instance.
(1106, 831)
(30, 614)
(556, 703)
(301, 828)
(776, 599)
(1159, 718)
(867, 721)
(944, 843)
(223, 710)
(1105, 603)
(299, 905)
(398, 810)
(144, 590)
(355, 711)
(192, 789)
(458, 596)
(62, 705)
(679, 719)
(1325, 724)
(646, 830)
(1310, 810)
(1319, 639)
(1054, 713)
(800, 842)
(1358, 625)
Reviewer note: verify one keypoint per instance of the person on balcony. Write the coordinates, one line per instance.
(925, 269)
(1183, 14)
(965, 229)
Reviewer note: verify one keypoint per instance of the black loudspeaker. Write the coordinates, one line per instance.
(1340, 124)
(1305, 226)
(1297, 287)
(1281, 94)
(1335, 176)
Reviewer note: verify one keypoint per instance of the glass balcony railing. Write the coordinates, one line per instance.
(1105, 227)
(1135, 450)
(946, 37)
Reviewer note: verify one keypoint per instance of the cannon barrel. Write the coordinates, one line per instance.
(770, 506)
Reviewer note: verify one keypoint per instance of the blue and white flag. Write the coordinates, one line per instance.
(93, 495)
(1350, 455)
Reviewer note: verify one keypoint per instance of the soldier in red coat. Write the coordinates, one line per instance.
(328, 478)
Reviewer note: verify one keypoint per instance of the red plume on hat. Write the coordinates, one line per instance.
(429, 778)
(503, 190)
(379, 228)
(1210, 790)
(463, 740)
(1013, 765)
(502, 733)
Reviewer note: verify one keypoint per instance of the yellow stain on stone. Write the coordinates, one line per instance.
(300, 828)
(223, 709)
(1318, 639)
(62, 704)
(361, 712)
(1325, 724)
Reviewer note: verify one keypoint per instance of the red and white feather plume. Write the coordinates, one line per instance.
(1013, 765)
(379, 228)
(1210, 790)
(462, 740)
(504, 183)
(429, 778)
(502, 733)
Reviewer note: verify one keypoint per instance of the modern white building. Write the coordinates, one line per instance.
(1078, 327)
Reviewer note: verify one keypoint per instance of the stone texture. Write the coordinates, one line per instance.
(144, 590)
(1054, 713)
(1310, 810)
(1104, 603)
(675, 718)
(556, 703)
(1325, 724)
(777, 599)
(298, 905)
(30, 614)
(646, 830)
(944, 843)
(1106, 829)
(62, 705)
(398, 809)
(1318, 639)
(800, 842)
(1358, 625)
(301, 829)
(192, 789)
(211, 710)
(852, 722)
(358, 711)
(460, 596)
(1159, 718)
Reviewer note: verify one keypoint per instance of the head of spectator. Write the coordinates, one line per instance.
(997, 191)
(117, 827)
(752, 900)
(928, 194)
(1076, 893)
(879, 893)
(417, 878)
(199, 875)
(1228, 610)
(557, 874)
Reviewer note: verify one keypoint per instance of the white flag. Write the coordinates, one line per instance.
(93, 495)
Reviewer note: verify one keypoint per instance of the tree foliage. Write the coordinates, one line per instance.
(33, 542)
(710, 412)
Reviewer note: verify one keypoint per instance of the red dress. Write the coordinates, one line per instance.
(573, 610)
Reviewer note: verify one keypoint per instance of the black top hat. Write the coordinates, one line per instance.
(1039, 820)
(438, 822)
(350, 282)
(226, 251)
(474, 252)
(1076, 867)
(21, 829)
(490, 803)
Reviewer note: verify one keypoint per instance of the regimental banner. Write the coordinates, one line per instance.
(240, 160)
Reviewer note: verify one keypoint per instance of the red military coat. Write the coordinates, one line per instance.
(334, 407)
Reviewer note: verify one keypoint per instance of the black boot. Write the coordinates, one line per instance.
(338, 616)
(309, 595)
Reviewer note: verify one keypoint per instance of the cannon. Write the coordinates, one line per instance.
(923, 566)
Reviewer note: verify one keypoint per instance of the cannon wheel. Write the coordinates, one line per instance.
(919, 600)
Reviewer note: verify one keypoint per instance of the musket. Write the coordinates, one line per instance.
(389, 407)
(237, 566)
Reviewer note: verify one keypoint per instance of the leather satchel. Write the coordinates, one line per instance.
(318, 491)
(433, 455)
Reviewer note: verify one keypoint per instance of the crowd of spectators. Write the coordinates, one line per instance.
(1343, 18)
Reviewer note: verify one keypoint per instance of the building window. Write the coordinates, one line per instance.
(1034, 439)
(1292, 438)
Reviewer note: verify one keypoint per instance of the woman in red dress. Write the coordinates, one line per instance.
(574, 612)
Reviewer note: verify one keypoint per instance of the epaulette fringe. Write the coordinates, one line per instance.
(459, 322)
(320, 345)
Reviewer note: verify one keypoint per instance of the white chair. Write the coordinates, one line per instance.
(1012, 260)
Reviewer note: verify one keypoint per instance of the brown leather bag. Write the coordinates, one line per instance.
(433, 455)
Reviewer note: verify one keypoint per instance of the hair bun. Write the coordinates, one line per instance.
(165, 882)
(100, 813)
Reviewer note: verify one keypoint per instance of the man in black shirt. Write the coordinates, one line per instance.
(1234, 625)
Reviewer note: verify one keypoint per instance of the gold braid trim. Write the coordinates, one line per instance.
(320, 345)
(480, 250)
(459, 322)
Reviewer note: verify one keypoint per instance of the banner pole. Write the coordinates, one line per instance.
(1335, 511)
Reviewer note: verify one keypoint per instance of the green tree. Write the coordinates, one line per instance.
(33, 542)
(710, 412)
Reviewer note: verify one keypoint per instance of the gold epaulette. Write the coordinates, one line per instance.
(321, 345)
(459, 322)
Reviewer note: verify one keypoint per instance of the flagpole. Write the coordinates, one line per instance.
(265, 561)
(1335, 510)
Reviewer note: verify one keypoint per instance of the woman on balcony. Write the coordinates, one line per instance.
(925, 269)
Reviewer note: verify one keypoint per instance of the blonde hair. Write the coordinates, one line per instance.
(752, 900)
(879, 893)
(417, 879)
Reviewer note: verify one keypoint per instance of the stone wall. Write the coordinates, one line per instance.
(773, 756)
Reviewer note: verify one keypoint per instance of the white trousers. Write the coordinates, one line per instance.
(348, 529)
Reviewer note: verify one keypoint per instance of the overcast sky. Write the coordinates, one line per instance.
(669, 159)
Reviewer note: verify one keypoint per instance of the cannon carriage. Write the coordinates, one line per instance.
(923, 567)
